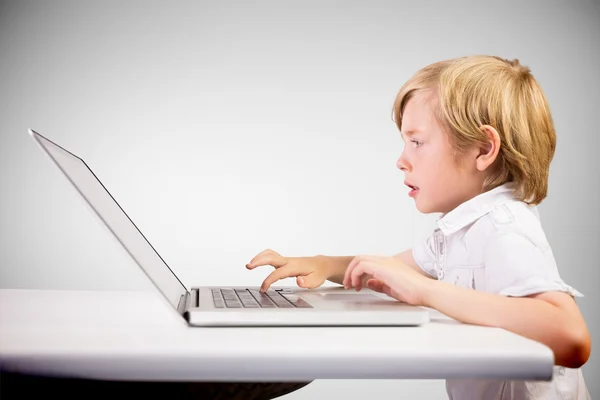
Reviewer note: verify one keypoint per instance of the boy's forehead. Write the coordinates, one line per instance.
(418, 115)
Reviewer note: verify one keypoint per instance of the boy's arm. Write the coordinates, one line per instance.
(551, 318)
(407, 258)
(338, 266)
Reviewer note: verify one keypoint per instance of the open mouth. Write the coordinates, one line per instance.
(413, 189)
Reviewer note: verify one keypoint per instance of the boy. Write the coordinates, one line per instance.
(479, 139)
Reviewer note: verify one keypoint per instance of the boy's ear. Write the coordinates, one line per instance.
(489, 152)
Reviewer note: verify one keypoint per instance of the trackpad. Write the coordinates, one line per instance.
(363, 297)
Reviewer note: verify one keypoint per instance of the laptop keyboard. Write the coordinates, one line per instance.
(253, 298)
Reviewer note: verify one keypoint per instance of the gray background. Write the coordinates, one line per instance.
(224, 128)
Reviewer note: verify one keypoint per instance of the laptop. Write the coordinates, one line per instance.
(205, 306)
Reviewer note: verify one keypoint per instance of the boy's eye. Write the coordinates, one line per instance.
(418, 144)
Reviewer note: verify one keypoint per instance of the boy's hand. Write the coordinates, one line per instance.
(390, 276)
(310, 272)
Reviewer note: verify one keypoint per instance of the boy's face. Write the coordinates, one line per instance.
(427, 160)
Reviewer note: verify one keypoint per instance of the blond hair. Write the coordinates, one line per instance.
(487, 90)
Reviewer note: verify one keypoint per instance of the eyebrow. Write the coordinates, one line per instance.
(409, 132)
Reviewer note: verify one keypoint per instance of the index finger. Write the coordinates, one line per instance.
(278, 274)
(267, 257)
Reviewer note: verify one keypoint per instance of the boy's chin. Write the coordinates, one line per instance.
(427, 208)
(422, 209)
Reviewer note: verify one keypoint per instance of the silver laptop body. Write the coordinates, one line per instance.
(230, 306)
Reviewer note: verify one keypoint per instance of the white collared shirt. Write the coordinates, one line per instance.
(495, 243)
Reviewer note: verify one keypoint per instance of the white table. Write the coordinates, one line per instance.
(135, 336)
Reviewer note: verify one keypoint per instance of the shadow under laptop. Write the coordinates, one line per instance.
(18, 386)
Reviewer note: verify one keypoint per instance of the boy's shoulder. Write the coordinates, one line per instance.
(517, 218)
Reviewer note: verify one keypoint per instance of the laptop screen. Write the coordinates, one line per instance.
(106, 207)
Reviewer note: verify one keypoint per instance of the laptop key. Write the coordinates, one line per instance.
(262, 299)
(219, 304)
(256, 293)
(284, 304)
(297, 301)
(249, 301)
(286, 291)
(301, 303)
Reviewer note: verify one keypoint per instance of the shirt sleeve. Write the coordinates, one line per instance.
(424, 256)
(515, 266)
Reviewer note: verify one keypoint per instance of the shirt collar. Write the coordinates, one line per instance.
(475, 208)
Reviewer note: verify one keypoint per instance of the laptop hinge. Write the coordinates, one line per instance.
(184, 301)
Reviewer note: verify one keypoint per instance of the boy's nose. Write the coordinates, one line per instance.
(402, 164)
